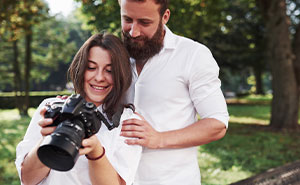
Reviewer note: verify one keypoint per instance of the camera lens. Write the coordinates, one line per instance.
(75, 119)
(60, 150)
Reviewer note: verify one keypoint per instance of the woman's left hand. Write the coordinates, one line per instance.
(91, 147)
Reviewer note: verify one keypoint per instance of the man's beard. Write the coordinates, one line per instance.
(148, 48)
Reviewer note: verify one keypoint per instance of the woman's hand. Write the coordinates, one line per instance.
(91, 147)
(44, 122)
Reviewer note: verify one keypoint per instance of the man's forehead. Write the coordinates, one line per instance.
(138, 9)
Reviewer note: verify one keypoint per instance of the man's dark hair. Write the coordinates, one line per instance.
(164, 4)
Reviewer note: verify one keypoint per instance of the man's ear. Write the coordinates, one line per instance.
(166, 16)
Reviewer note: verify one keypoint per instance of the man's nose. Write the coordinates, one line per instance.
(134, 30)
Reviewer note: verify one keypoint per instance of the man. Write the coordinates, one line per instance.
(175, 79)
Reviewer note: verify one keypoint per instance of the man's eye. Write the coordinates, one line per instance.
(128, 20)
(145, 23)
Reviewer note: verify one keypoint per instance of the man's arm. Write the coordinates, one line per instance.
(201, 132)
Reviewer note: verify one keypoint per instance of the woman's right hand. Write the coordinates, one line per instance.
(44, 122)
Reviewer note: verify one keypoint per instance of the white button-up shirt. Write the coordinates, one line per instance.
(173, 87)
(124, 158)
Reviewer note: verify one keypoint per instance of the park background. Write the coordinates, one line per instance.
(256, 43)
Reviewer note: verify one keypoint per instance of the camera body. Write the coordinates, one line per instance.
(75, 119)
(76, 108)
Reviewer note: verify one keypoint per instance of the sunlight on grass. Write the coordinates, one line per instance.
(9, 114)
(13, 114)
(212, 174)
(248, 120)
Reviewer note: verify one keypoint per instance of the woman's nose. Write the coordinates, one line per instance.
(99, 76)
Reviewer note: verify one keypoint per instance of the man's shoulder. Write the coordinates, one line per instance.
(190, 44)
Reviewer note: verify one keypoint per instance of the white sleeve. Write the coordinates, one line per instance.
(205, 87)
(31, 138)
(126, 157)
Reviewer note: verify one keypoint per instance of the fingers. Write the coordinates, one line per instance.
(133, 121)
(135, 142)
(132, 134)
(42, 112)
(89, 145)
(62, 97)
(45, 122)
(47, 130)
(131, 127)
(139, 115)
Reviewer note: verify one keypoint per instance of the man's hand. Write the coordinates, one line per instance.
(140, 132)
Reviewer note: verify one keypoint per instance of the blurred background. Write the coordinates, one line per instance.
(256, 44)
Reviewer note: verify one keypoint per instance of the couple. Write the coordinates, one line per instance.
(173, 80)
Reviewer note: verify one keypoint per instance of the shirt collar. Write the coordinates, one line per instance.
(169, 39)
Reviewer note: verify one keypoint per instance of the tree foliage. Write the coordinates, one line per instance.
(30, 48)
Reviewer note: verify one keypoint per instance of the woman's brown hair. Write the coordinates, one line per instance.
(121, 69)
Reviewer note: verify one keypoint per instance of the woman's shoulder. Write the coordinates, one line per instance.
(128, 113)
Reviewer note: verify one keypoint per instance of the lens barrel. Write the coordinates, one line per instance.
(60, 150)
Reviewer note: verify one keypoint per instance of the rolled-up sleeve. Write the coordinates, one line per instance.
(205, 87)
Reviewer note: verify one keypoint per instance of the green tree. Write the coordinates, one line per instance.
(27, 24)
(231, 29)
(282, 59)
(101, 15)
(18, 18)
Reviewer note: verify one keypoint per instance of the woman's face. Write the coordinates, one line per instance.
(98, 81)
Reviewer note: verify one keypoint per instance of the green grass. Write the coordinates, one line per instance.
(252, 100)
(247, 149)
(37, 93)
(250, 114)
(12, 129)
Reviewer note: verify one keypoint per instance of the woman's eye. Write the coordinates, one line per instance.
(90, 68)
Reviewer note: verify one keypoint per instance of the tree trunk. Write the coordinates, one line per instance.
(28, 52)
(17, 79)
(296, 49)
(258, 80)
(284, 112)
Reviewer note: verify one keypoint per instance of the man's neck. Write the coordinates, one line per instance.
(139, 66)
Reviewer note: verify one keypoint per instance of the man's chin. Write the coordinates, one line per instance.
(137, 44)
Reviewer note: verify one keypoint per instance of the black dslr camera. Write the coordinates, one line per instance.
(75, 119)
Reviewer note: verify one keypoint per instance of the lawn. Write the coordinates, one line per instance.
(247, 149)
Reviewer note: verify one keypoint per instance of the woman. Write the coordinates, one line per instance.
(100, 73)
